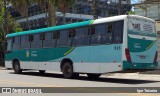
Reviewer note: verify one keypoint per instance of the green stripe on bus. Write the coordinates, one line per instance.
(69, 51)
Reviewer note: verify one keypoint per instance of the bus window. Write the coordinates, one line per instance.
(72, 33)
(63, 34)
(108, 34)
(42, 36)
(118, 31)
(91, 30)
(16, 44)
(25, 44)
(64, 40)
(79, 32)
(56, 35)
(81, 39)
(49, 42)
(9, 44)
(36, 43)
(100, 29)
(30, 38)
(110, 28)
(98, 37)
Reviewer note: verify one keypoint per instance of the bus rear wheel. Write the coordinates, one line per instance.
(93, 76)
(67, 70)
(16, 67)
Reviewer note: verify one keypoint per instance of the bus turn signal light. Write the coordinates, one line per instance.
(128, 55)
(155, 58)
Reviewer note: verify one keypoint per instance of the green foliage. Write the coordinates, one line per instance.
(131, 12)
(11, 23)
(18, 30)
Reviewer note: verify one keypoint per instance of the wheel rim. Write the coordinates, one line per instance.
(16, 67)
(67, 71)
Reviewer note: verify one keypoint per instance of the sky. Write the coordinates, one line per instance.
(134, 1)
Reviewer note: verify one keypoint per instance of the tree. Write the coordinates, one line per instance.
(131, 12)
(51, 10)
(12, 25)
(22, 7)
(64, 5)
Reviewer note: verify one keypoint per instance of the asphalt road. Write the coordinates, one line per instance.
(35, 79)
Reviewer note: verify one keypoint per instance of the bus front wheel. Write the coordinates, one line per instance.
(93, 76)
(67, 70)
(16, 67)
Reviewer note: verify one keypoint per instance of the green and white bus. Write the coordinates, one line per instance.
(91, 47)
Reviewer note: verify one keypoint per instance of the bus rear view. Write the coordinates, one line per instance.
(141, 46)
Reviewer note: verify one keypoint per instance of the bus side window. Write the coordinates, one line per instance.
(81, 38)
(99, 36)
(25, 44)
(49, 42)
(9, 44)
(110, 27)
(109, 32)
(16, 44)
(91, 30)
(64, 40)
(42, 36)
(72, 33)
(56, 35)
(30, 38)
(118, 32)
(37, 42)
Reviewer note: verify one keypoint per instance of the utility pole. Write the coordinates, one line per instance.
(95, 9)
(5, 19)
(120, 7)
(128, 6)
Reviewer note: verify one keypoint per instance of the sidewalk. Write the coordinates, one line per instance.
(137, 76)
(155, 72)
(1, 67)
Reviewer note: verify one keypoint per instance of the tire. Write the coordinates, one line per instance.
(67, 70)
(42, 71)
(93, 76)
(17, 68)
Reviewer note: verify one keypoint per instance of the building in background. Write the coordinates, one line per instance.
(150, 9)
(81, 11)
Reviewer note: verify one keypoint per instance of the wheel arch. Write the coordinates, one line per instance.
(65, 60)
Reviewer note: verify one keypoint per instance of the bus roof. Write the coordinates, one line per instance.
(146, 18)
(50, 29)
(74, 25)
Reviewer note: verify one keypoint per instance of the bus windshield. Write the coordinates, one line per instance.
(139, 26)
